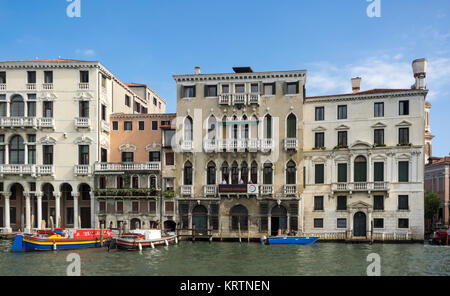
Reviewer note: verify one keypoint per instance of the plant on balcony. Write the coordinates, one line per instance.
(404, 144)
(337, 147)
(168, 193)
(319, 148)
(378, 145)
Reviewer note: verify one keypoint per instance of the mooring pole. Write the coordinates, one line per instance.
(239, 228)
(101, 235)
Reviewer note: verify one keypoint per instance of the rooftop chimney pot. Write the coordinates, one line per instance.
(420, 73)
(197, 70)
(356, 84)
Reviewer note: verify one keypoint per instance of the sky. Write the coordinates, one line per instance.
(148, 41)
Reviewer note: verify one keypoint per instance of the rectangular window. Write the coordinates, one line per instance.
(47, 109)
(292, 88)
(154, 125)
(2, 107)
(189, 92)
(170, 158)
(115, 125)
(141, 125)
(319, 140)
(342, 173)
(119, 207)
(103, 81)
(269, 89)
(47, 153)
(104, 155)
(378, 172)
(320, 113)
(341, 223)
(127, 156)
(342, 203)
(103, 112)
(31, 77)
(378, 223)
(403, 135)
(127, 100)
(83, 154)
(31, 154)
(239, 88)
(342, 112)
(48, 76)
(318, 223)
(378, 109)
(84, 76)
(318, 203)
(154, 156)
(378, 137)
(128, 125)
(102, 206)
(403, 203)
(169, 207)
(225, 88)
(319, 174)
(155, 102)
(168, 137)
(378, 202)
(403, 171)
(403, 223)
(135, 206)
(2, 153)
(254, 88)
(152, 207)
(2, 77)
(342, 138)
(211, 91)
(403, 108)
(31, 109)
(84, 109)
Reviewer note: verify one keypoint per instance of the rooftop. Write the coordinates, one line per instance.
(367, 92)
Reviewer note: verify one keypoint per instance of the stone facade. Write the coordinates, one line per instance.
(437, 180)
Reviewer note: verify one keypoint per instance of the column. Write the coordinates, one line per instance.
(7, 212)
(6, 153)
(369, 168)
(57, 209)
(27, 212)
(93, 218)
(369, 233)
(352, 170)
(39, 210)
(75, 210)
(26, 154)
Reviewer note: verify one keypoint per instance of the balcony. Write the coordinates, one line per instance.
(47, 86)
(266, 145)
(253, 99)
(225, 99)
(105, 126)
(210, 190)
(17, 169)
(211, 145)
(238, 189)
(17, 122)
(46, 122)
(30, 86)
(266, 189)
(45, 170)
(239, 99)
(187, 145)
(290, 189)
(290, 144)
(127, 166)
(82, 170)
(186, 190)
(237, 145)
(360, 187)
(82, 122)
(83, 85)
(2, 86)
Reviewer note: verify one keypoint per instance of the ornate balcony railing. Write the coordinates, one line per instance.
(290, 189)
(187, 145)
(82, 122)
(2, 86)
(46, 122)
(127, 166)
(83, 85)
(225, 99)
(47, 86)
(239, 99)
(82, 170)
(253, 99)
(210, 190)
(361, 186)
(30, 86)
(187, 190)
(266, 145)
(211, 145)
(45, 170)
(290, 144)
(21, 122)
(17, 169)
(266, 189)
(235, 145)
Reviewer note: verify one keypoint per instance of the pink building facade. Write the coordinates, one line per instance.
(437, 180)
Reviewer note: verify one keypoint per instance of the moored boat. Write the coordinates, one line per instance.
(139, 239)
(278, 240)
(58, 239)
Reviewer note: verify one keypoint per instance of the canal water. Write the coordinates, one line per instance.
(234, 259)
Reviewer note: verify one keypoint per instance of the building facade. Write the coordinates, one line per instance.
(239, 158)
(437, 180)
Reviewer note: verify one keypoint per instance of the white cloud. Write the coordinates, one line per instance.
(85, 52)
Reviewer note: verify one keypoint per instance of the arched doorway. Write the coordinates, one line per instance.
(84, 204)
(278, 220)
(17, 206)
(135, 223)
(170, 226)
(200, 219)
(359, 224)
(65, 217)
(48, 204)
(239, 216)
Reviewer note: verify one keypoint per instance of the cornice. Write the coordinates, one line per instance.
(240, 76)
(356, 97)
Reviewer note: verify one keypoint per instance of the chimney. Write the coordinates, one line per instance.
(356, 84)
(420, 73)
(197, 70)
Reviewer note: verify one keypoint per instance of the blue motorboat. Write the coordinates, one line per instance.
(278, 240)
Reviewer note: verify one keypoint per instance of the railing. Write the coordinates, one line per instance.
(106, 126)
(391, 236)
(341, 235)
(253, 99)
(210, 190)
(361, 186)
(187, 145)
(2, 86)
(252, 145)
(239, 99)
(290, 144)
(46, 122)
(127, 166)
(225, 99)
(266, 189)
(186, 190)
(45, 170)
(17, 122)
(83, 85)
(232, 145)
(47, 86)
(290, 189)
(266, 145)
(82, 122)
(17, 169)
(30, 86)
(82, 170)
(210, 145)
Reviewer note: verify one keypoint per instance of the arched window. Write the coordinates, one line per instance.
(84, 190)
(16, 150)
(188, 132)
(239, 217)
(244, 127)
(224, 127)
(187, 176)
(225, 172)
(254, 173)
(244, 172)
(17, 106)
(234, 173)
(267, 174)
(268, 127)
(360, 169)
(235, 133)
(291, 126)
(47, 191)
(211, 173)
(291, 173)
(254, 127)
(212, 131)
(66, 191)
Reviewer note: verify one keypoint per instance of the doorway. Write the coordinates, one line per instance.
(278, 220)
(85, 216)
(200, 219)
(359, 224)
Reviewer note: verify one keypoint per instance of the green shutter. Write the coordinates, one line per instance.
(360, 172)
(319, 174)
(261, 88)
(403, 171)
(205, 91)
(298, 87)
(195, 91)
(342, 173)
(274, 88)
(379, 172)
(181, 91)
(284, 88)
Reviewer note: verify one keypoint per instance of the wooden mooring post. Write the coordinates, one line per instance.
(193, 233)
(101, 235)
(221, 237)
(239, 228)
(52, 226)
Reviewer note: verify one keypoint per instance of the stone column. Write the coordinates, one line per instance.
(26, 154)
(27, 212)
(6, 153)
(7, 212)
(93, 218)
(75, 210)
(39, 209)
(369, 233)
(352, 171)
(57, 209)
(369, 168)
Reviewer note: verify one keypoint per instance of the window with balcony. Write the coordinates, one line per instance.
(403, 135)
(342, 112)
(403, 203)
(239, 88)
(120, 184)
(254, 88)
(292, 88)
(17, 106)
(48, 76)
(83, 154)
(378, 109)
(187, 173)
(244, 172)
(291, 124)
(291, 173)
(269, 89)
(244, 128)
(211, 173)
(342, 173)
(319, 140)
(320, 113)
(154, 156)
(31, 149)
(47, 109)
(3, 105)
(16, 150)
(268, 174)
(210, 90)
(84, 109)
(212, 123)
(319, 173)
(170, 158)
(31, 109)
(104, 155)
(341, 223)
(342, 203)
(225, 173)
(135, 182)
(84, 76)
(234, 173)
(360, 169)
(2, 149)
(127, 156)
(378, 171)
(378, 137)
(378, 202)
(268, 126)
(403, 171)
(188, 131)
(254, 173)
(225, 89)
(47, 153)
(342, 138)
(31, 77)
(378, 223)
(128, 125)
(403, 107)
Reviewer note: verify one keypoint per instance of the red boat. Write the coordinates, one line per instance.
(440, 237)
(139, 239)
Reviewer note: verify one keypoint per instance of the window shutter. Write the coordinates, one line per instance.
(274, 88)
(379, 172)
(360, 172)
(195, 92)
(261, 88)
(403, 171)
(182, 91)
(206, 90)
(342, 172)
(298, 87)
(284, 88)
